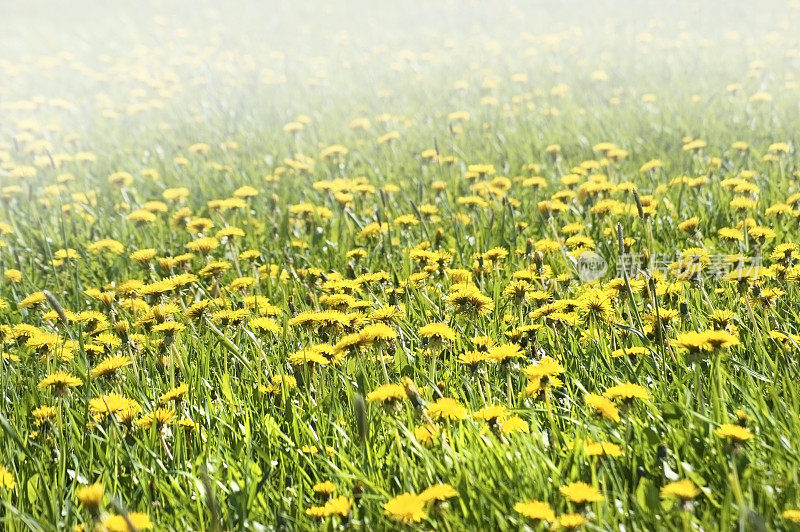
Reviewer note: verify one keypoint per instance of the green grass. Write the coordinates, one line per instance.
(139, 87)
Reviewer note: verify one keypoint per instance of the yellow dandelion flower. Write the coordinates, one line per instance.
(160, 417)
(571, 521)
(446, 409)
(603, 406)
(491, 413)
(735, 433)
(110, 365)
(438, 331)
(118, 523)
(7, 480)
(581, 493)
(387, 393)
(406, 508)
(90, 496)
(438, 492)
(60, 381)
(175, 394)
(681, 489)
(536, 510)
(627, 391)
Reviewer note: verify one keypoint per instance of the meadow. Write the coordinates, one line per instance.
(396, 266)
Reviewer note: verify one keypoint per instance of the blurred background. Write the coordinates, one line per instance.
(571, 66)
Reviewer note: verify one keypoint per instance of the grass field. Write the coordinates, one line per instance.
(382, 266)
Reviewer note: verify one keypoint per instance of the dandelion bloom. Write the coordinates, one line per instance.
(446, 408)
(546, 367)
(468, 299)
(60, 381)
(733, 432)
(580, 492)
(630, 351)
(6, 479)
(603, 406)
(693, 342)
(536, 510)
(175, 394)
(438, 331)
(338, 506)
(13, 275)
(593, 448)
(627, 391)
(110, 365)
(327, 487)
(90, 496)
(473, 359)
(160, 417)
(118, 523)
(309, 357)
(377, 332)
(706, 341)
(571, 520)
(406, 508)
(681, 489)
(426, 434)
(505, 352)
(387, 393)
(491, 413)
(596, 305)
(438, 492)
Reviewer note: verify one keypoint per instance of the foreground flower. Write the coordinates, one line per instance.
(580, 492)
(467, 299)
(309, 357)
(425, 434)
(627, 391)
(175, 394)
(110, 365)
(387, 393)
(406, 508)
(337, 506)
(513, 425)
(572, 520)
(437, 332)
(681, 489)
(595, 305)
(60, 381)
(593, 448)
(438, 493)
(546, 368)
(325, 488)
(493, 415)
(630, 351)
(504, 353)
(721, 339)
(735, 433)
(603, 406)
(160, 417)
(706, 341)
(90, 496)
(124, 408)
(118, 523)
(446, 408)
(536, 510)
(6, 479)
